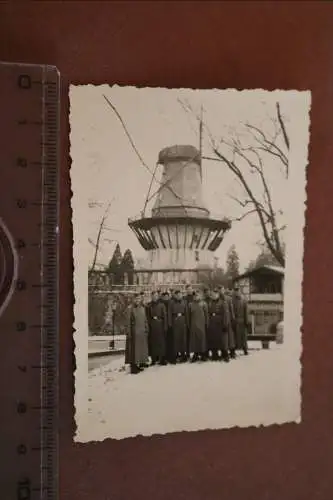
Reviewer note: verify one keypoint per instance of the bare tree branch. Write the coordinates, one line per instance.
(100, 230)
(105, 228)
(245, 203)
(186, 109)
(94, 204)
(233, 167)
(241, 217)
(282, 125)
(254, 158)
(268, 146)
(135, 149)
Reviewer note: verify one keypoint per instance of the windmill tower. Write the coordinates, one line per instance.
(179, 235)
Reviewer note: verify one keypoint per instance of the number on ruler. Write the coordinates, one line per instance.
(24, 489)
(21, 285)
(20, 244)
(21, 203)
(21, 449)
(24, 82)
(21, 162)
(21, 407)
(21, 326)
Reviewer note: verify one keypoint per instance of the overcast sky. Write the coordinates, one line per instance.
(156, 119)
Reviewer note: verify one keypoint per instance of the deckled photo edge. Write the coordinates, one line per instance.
(294, 261)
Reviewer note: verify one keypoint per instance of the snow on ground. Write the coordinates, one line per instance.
(251, 390)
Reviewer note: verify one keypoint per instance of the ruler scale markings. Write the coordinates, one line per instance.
(32, 126)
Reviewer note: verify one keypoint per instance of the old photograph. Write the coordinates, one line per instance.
(188, 219)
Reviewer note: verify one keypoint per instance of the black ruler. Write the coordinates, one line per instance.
(29, 125)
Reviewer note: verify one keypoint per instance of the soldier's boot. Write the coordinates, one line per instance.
(245, 350)
(195, 357)
(135, 369)
(215, 355)
(183, 357)
(163, 361)
(233, 353)
(203, 356)
(225, 356)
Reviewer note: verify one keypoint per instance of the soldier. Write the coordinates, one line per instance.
(158, 324)
(166, 300)
(198, 323)
(178, 319)
(217, 335)
(188, 300)
(206, 295)
(137, 337)
(189, 294)
(172, 295)
(241, 320)
(142, 298)
(207, 299)
(227, 299)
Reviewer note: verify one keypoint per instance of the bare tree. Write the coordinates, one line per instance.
(247, 158)
(165, 184)
(101, 228)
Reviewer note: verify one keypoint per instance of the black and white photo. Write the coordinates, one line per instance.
(188, 217)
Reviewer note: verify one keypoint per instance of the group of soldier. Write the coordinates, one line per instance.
(175, 327)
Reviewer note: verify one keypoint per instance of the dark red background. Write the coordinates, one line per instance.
(282, 45)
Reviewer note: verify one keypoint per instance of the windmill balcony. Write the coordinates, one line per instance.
(179, 242)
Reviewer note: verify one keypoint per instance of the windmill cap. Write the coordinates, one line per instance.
(179, 152)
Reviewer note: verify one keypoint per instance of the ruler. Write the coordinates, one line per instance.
(29, 124)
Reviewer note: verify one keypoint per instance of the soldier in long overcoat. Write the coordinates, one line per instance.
(158, 325)
(206, 295)
(188, 297)
(172, 293)
(198, 323)
(188, 294)
(241, 322)
(136, 354)
(166, 300)
(179, 324)
(226, 297)
(217, 335)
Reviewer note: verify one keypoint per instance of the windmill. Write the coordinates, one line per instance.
(179, 234)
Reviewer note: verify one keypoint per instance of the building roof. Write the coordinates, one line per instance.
(257, 270)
